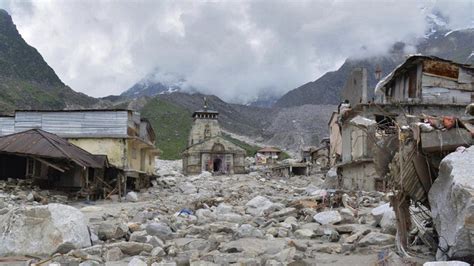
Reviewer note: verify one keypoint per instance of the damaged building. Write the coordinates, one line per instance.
(208, 150)
(50, 161)
(127, 140)
(367, 130)
(397, 142)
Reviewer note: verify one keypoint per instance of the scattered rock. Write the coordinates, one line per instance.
(161, 230)
(246, 230)
(132, 196)
(113, 254)
(304, 233)
(112, 230)
(378, 239)
(328, 217)
(187, 188)
(379, 211)
(258, 205)
(158, 252)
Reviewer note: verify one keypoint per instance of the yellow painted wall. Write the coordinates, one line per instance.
(135, 157)
(113, 148)
(122, 153)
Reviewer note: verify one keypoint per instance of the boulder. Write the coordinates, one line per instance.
(187, 188)
(389, 223)
(139, 236)
(258, 205)
(113, 254)
(379, 211)
(132, 196)
(331, 180)
(223, 208)
(304, 234)
(158, 252)
(328, 217)
(112, 230)
(378, 239)
(246, 230)
(347, 215)
(161, 230)
(452, 205)
(40, 230)
(131, 248)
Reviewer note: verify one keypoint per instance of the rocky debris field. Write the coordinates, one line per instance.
(206, 220)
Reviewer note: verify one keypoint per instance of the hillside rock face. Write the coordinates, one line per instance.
(26, 80)
(452, 205)
(42, 230)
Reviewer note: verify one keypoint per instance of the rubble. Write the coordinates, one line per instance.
(226, 219)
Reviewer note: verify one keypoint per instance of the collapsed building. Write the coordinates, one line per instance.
(126, 141)
(50, 160)
(208, 150)
(396, 141)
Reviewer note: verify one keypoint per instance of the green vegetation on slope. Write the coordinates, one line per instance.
(250, 149)
(172, 124)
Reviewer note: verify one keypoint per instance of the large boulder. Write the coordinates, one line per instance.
(258, 205)
(452, 205)
(41, 230)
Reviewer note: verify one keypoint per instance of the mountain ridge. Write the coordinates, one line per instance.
(26, 80)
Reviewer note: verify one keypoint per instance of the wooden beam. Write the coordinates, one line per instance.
(50, 164)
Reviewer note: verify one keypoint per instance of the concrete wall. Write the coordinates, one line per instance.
(355, 88)
(360, 176)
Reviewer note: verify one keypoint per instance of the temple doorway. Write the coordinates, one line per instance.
(217, 165)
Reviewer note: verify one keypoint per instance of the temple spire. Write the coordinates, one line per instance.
(205, 103)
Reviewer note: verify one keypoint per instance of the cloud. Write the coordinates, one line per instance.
(237, 50)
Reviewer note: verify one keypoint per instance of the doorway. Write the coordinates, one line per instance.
(217, 165)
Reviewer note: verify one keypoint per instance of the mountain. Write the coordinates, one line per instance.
(26, 80)
(155, 83)
(454, 45)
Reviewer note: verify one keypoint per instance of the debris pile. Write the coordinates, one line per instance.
(219, 220)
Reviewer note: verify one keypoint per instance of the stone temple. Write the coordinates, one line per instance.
(208, 150)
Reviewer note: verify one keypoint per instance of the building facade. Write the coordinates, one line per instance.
(208, 150)
(126, 139)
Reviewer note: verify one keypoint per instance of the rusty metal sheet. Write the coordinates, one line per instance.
(36, 142)
(441, 68)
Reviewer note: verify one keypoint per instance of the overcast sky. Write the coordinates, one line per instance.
(236, 50)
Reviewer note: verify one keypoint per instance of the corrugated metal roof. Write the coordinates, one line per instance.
(36, 142)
